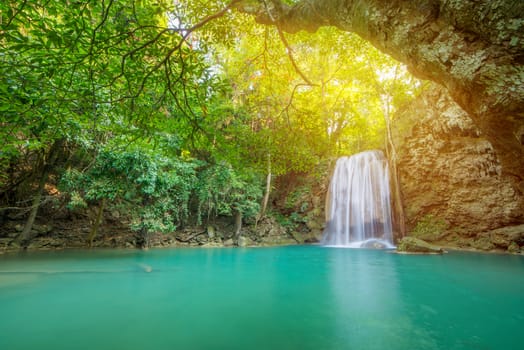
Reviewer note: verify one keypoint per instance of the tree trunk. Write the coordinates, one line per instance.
(96, 223)
(142, 238)
(25, 236)
(238, 223)
(267, 192)
(474, 48)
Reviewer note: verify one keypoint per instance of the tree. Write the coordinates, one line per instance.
(83, 80)
(473, 48)
(337, 112)
(154, 189)
(222, 191)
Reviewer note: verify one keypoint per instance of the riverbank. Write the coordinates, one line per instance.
(267, 234)
(57, 232)
(74, 234)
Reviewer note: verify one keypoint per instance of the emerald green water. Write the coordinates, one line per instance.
(302, 297)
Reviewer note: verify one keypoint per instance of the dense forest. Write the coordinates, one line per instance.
(168, 114)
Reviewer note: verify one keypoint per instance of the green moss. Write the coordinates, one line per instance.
(513, 247)
(483, 243)
(415, 245)
(430, 228)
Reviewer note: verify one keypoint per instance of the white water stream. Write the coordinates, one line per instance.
(358, 209)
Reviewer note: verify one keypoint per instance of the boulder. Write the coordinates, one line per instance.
(210, 232)
(506, 236)
(272, 241)
(375, 244)
(415, 245)
(243, 241)
(212, 245)
(513, 248)
(42, 229)
(5, 243)
(228, 242)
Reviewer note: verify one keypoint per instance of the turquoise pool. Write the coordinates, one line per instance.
(300, 297)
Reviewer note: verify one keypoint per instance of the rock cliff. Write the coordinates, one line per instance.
(453, 186)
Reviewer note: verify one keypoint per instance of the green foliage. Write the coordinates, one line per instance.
(340, 111)
(298, 198)
(160, 121)
(290, 222)
(222, 191)
(284, 221)
(155, 190)
(429, 228)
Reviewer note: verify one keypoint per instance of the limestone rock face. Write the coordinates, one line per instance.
(450, 172)
(269, 232)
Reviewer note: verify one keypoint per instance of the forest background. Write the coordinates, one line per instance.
(177, 113)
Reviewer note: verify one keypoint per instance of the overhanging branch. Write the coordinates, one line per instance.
(289, 51)
(304, 15)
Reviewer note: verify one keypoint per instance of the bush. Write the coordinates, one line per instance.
(223, 191)
(154, 190)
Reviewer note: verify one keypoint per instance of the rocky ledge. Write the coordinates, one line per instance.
(412, 245)
(66, 235)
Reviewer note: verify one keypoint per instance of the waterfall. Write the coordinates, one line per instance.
(358, 209)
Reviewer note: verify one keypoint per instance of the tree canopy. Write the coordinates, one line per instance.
(178, 110)
(473, 48)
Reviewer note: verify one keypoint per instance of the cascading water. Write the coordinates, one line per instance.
(358, 210)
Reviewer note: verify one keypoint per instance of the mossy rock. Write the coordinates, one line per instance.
(513, 248)
(483, 243)
(430, 228)
(417, 246)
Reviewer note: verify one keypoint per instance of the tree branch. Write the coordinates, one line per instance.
(289, 51)
(15, 13)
